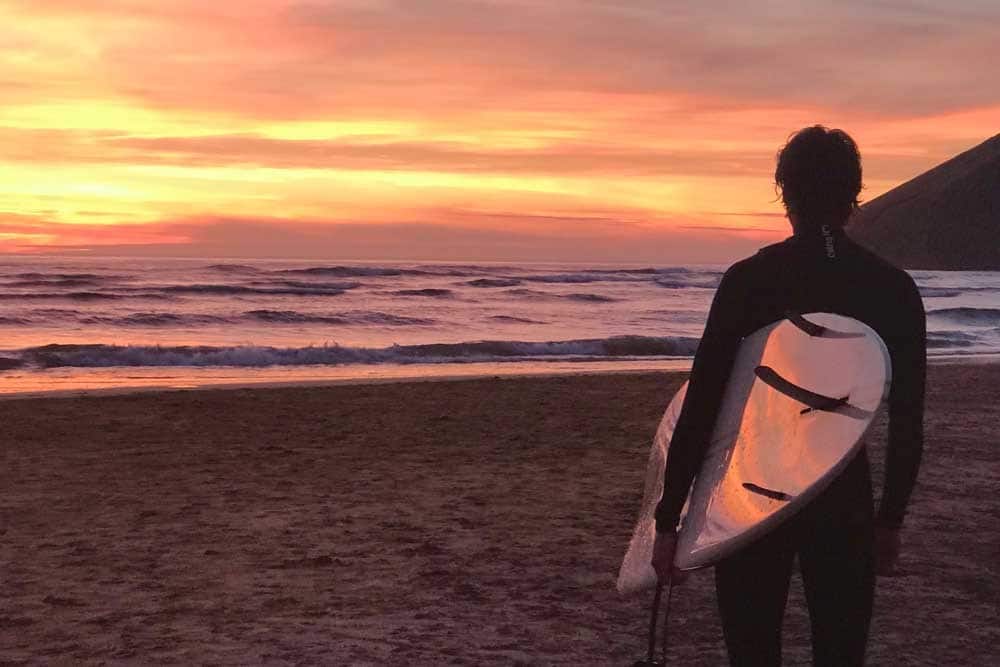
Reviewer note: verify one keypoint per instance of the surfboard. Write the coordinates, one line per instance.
(802, 394)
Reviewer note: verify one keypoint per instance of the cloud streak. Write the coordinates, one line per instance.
(373, 111)
(561, 239)
(330, 56)
(438, 156)
(290, 58)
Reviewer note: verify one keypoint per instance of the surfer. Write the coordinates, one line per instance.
(839, 538)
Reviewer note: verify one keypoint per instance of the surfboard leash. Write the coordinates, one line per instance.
(654, 617)
(651, 660)
(666, 619)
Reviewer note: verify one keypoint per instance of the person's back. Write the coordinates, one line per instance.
(829, 273)
(836, 538)
(825, 271)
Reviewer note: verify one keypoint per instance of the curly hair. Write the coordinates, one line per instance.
(819, 176)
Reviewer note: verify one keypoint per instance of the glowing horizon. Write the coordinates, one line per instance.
(462, 130)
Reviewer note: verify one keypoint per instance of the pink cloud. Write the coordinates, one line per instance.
(565, 238)
(285, 58)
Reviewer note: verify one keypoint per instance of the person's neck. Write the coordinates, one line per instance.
(813, 229)
(828, 235)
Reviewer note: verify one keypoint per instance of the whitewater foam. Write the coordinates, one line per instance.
(100, 356)
(967, 316)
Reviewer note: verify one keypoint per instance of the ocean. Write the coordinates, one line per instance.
(92, 323)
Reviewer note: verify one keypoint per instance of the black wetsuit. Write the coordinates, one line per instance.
(818, 271)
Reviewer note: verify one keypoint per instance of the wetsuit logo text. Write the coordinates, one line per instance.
(831, 252)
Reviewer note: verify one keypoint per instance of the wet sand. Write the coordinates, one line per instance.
(462, 522)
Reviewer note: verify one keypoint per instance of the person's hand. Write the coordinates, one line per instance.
(663, 558)
(887, 545)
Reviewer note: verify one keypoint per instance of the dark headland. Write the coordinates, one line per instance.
(946, 219)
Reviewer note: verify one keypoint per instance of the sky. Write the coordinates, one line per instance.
(536, 130)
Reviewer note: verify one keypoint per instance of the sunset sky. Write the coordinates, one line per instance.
(461, 130)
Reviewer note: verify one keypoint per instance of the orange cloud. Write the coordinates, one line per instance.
(541, 116)
(462, 236)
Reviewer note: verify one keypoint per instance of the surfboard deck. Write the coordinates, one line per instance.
(802, 394)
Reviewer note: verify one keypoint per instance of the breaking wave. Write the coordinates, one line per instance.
(957, 291)
(595, 298)
(52, 284)
(430, 291)
(681, 276)
(494, 282)
(358, 271)
(276, 288)
(233, 268)
(348, 318)
(517, 320)
(586, 277)
(345, 271)
(83, 296)
(967, 316)
(939, 292)
(67, 276)
(542, 296)
(101, 356)
(241, 289)
(937, 340)
(668, 283)
(49, 316)
(156, 320)
(307, 285)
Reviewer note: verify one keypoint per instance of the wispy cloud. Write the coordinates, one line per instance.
(390, 110)
(288, 58)
(523, 239)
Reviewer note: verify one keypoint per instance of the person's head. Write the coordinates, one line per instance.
(819, 176)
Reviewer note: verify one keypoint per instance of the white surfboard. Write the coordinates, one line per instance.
(802, 394)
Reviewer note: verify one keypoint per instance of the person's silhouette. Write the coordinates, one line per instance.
(839, 539)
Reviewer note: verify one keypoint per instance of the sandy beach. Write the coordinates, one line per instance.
(474, 522)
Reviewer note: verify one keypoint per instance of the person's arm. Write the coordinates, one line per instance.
(710, 371)
(908, 351)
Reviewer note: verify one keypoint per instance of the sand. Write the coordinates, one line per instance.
(471, 522)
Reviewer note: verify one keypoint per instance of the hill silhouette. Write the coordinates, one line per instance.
(948, 218)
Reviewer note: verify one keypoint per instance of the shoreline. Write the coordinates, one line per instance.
(504, 370)
(124, 380)
(320, 384)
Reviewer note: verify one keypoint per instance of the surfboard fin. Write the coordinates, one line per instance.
(837, 403)
(810, 399)
(770, 493)
(818, 330)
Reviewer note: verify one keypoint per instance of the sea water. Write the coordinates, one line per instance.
(82, 323)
